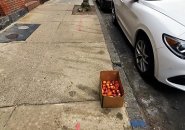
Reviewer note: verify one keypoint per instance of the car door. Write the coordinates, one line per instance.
(128, 17)
(117, 4)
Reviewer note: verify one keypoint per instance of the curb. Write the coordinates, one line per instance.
(135, 115)
(7, 20)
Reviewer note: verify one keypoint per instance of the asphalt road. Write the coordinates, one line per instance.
(163, 106)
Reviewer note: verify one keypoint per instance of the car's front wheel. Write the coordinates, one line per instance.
(144, 57)
(102, 5)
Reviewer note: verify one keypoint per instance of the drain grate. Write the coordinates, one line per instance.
(18, 32)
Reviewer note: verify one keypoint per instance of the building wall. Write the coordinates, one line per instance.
(1, 11)
(9, 6)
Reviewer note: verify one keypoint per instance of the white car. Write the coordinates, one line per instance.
(156, 28)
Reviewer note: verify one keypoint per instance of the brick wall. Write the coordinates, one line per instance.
(9, 6)
(27, 1)
(1, 11)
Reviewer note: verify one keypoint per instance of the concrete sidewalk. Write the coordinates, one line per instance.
(51, 81)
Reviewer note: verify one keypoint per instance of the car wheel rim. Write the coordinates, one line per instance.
(113, 14)
(141, 56)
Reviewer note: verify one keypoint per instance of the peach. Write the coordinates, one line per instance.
(104, 82)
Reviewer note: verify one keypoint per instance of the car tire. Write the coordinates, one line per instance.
(144, 58)
(114, 19)
(102, 5)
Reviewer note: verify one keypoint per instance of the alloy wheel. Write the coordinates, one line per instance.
(141, 56)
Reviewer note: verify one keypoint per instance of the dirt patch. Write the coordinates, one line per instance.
(65, 128)
(119, 116)
(106, 111)
(72, 93)
(89, 91)
(101, 52)
(92, 11)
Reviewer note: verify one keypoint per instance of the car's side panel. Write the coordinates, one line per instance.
(119, 10)
(129, 19)
(152, 22)
(117, 6)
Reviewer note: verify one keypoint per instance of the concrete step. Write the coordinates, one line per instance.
(32, 4)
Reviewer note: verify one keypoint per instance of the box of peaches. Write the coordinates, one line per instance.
(111, 89)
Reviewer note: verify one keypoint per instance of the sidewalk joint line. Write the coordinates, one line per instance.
(10, 116)
(55, 42)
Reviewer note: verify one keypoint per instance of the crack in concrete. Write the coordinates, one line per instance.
(59, 25)
(40, 104)
(10, 116)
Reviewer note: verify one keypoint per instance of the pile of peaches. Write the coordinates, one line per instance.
(111, 88)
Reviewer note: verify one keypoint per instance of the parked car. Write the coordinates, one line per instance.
(156, 29)
(104, 4)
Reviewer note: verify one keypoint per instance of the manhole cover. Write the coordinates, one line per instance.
(23, 27)
(12, 36)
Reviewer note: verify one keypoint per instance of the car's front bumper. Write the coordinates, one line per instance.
(171, 69)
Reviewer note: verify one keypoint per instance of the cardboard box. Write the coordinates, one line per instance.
(107, 101)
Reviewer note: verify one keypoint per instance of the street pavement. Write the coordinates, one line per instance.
(51, 80)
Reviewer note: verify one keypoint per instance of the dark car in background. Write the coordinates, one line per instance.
(105, 4)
